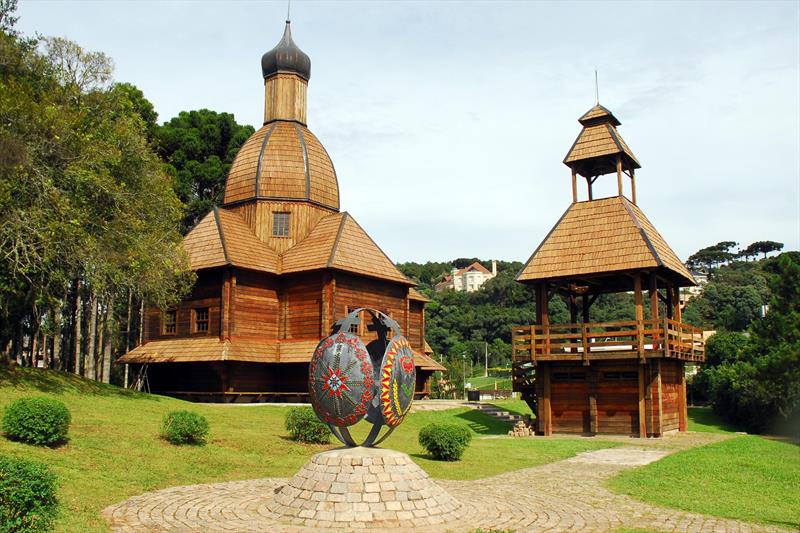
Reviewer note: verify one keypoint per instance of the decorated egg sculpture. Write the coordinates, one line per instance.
(349, 381)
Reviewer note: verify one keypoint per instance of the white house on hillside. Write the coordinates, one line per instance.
(467, 279)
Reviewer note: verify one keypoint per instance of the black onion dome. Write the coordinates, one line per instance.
(286, 57)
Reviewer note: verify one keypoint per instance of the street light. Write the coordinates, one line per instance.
(464, 372)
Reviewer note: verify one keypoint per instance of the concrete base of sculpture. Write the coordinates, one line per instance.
(370, 486)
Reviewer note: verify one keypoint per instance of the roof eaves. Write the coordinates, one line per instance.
(408, 281)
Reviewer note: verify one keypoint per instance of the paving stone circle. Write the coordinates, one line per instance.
(568, 495)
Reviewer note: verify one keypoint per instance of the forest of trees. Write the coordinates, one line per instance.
(95, 197)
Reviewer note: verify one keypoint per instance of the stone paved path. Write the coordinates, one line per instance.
(565, 496)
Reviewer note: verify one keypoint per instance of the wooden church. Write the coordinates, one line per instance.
(277, 264)
(623, 377)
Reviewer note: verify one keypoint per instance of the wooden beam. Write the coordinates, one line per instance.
(637, 295)
(633, 187)
(574, 186)
(653, 288)
(642, 410)
(586, 305)
(593, 426)
(676, 301)
(547, 430)
(683, 414)
(619, 175)
(589, 186)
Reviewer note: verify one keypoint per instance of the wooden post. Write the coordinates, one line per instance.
(683, 414)
(653, 287)
(546, 414)
(585, 343)
(619, 175)
(589, 186)
(658, 429)
(642, 410)
(593, 427)
(668, 305)
(573, 309)
(585, 308)
(545, 317)
(637, 295)
(676, 301)
(633, 187)
(574, 186)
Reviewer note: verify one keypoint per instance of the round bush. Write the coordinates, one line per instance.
(38, 420)
(184, 427)
(27, 496)
(445, 442)
(304, 426)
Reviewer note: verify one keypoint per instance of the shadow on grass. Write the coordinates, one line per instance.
(59, 382)
(705, 420)
(483, 424)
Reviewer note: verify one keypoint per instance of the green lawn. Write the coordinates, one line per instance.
(745, 478)
(490, 383)
(114, 451)
(704, 420)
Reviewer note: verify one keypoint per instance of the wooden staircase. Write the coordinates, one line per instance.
(498, 413)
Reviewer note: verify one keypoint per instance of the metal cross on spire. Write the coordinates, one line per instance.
(288, 11)
(596, 89)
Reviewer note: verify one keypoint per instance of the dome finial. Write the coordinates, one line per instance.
(288, 11)
(286, 57)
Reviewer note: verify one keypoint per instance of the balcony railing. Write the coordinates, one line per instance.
(629, 339)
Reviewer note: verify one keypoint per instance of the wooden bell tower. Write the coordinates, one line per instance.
(624, 377)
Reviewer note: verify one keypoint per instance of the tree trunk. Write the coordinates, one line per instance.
(57, 336)
(101, 333)
(88, 367)
(108, 323)
(77, 334)
(141, 323)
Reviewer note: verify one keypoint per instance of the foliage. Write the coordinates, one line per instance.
(82, 194)
(744, 478)
(27, 496)
(198, 148)
(184, 427)
(304, 426)
(445, 442)
(711, 256)
(37, 420)
(756, 383)
(761, 247)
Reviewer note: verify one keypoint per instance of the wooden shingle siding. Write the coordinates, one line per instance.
(203, 244)
(601, 236)
(291, 164)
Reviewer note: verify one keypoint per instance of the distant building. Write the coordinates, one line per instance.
(687, 293)
(467, 279)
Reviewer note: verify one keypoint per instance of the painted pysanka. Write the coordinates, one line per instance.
(341, 383)
(397, 381)
(349, 381)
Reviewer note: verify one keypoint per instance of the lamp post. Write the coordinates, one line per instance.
(464, 373)
(486, 359)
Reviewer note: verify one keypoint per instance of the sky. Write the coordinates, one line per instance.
(448, 122)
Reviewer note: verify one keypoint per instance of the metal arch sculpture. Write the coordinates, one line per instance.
(349, 381)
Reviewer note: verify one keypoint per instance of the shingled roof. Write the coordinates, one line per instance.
(223, 238)
(339, 242)
(601, 237)
(595, 150)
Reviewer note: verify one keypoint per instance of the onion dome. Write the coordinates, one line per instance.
(286, 57)
(283, 161)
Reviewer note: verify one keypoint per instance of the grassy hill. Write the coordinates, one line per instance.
(114, 451)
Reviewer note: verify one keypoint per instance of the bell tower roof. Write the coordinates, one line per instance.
(599, 145)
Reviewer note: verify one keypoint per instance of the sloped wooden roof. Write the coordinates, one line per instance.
(223, 238)
(339, 242)
(600, 237)
(200, 349)
(598, 145)
(414, 294)
(283, 160)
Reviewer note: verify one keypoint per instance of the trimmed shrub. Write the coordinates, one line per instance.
(445, 442)
(304, 426)
(27, 496)
(38, 420)
(184, 427)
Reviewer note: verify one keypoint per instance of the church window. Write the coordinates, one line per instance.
(280, 224)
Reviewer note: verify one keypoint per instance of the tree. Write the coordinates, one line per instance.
(84, 201)
(762, 247)
(199, 148)
(712, 256)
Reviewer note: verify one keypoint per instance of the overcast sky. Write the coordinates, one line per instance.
(448, 122)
